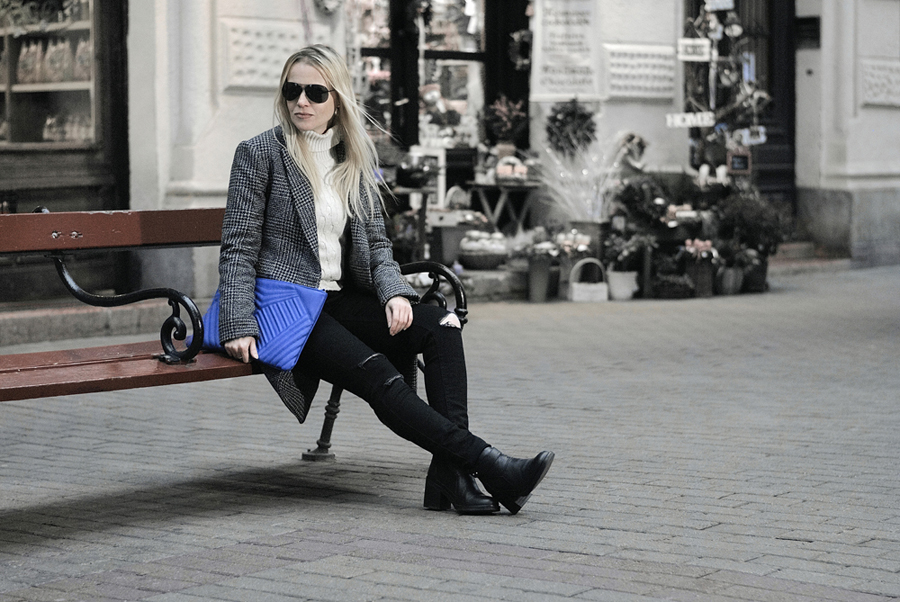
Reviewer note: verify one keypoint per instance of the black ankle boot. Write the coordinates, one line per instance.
(447, 485)
(511, 480)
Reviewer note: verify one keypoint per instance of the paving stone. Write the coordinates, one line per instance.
(739, 448)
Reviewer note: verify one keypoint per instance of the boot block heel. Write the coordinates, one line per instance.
(435, 498)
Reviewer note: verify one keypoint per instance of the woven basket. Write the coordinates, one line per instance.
(587, 291)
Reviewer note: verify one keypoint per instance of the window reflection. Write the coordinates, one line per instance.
(456, 25)
(376, 96)
(449, 101)
(374, 30)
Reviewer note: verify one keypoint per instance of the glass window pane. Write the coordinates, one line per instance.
(374, 20)
(376, 94)
(450, 99)
(456, 25)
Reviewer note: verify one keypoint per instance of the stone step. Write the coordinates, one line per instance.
(791, 251)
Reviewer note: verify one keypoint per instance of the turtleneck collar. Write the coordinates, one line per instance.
(320, 142)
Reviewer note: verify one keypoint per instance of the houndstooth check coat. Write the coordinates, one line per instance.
(269, 231)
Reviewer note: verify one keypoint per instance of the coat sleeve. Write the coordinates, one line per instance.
(241, 242)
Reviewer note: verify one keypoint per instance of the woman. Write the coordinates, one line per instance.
(303, 206)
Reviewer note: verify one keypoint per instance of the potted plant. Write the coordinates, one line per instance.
(506, 121)
(700, 260)
(623, 256)
(735, 261)
(753, 223)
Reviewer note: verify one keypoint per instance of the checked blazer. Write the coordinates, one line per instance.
(269, 231)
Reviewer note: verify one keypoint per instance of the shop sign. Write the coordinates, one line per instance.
(705, 119)
(712, 5)
(566, 51)
(697, 50)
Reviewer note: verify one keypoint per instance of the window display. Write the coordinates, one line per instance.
(450, 98)
(374, 31)
(455, 25)
(437, 47)
(47, 73)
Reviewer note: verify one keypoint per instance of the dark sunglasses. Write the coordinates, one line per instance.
(315, 93)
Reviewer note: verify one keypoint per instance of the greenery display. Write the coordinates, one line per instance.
(570, 128)
(750, 221)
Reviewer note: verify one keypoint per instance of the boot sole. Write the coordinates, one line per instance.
(436, 499)
(515, 505)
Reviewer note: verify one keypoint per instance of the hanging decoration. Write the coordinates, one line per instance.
(520, 49)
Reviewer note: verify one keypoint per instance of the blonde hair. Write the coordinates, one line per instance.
(360, 163)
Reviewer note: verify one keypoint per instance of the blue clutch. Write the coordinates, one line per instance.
(286, 314)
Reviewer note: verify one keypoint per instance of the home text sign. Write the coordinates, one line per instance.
(566, 51)
(704, 119)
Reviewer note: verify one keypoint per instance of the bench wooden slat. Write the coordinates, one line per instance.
(91, 370)
(79, 230)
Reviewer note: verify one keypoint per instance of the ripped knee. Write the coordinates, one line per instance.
(379, 362)
(451, 320)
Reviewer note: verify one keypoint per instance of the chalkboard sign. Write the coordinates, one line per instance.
(739, 162)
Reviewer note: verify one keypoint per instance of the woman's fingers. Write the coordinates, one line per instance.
(242, 349)
(399, 314)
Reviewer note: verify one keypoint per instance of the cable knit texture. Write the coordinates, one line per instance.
(330, 214)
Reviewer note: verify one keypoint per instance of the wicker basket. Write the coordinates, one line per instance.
(587, 291)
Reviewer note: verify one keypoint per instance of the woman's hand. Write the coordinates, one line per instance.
(242, 349)
(399, 314)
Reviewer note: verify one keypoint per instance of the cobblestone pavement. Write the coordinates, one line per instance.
(734, 448)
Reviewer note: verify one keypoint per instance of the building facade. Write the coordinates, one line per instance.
(198, 76)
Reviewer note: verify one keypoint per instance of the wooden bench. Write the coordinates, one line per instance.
(165, 361)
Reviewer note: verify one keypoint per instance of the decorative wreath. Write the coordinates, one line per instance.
(570, 127)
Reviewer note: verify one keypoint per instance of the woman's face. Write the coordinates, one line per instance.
(305, 115)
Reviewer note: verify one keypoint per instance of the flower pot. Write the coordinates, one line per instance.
(701, 274)
(755, 277)
(729, 281)
(538, 278)
(622, 285)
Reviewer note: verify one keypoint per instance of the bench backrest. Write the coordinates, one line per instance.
(80, 230)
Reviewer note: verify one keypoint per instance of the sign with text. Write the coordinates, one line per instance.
(697, 50)
(705, 119)
(566, 51)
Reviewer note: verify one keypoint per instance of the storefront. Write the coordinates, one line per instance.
(169, 96)
(63, 129)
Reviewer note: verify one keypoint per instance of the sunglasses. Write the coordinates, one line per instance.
(315, 93)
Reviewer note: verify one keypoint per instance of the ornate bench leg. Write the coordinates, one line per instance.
(321, 453)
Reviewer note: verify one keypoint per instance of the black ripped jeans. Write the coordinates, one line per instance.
(351, 347)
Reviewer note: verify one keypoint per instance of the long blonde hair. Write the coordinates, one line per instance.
(361, 159)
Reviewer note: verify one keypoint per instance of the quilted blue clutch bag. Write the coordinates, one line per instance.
(286, 314)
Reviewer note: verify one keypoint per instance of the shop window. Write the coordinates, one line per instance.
(423, 70)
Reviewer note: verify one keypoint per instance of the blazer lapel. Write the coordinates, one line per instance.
(302, 198)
